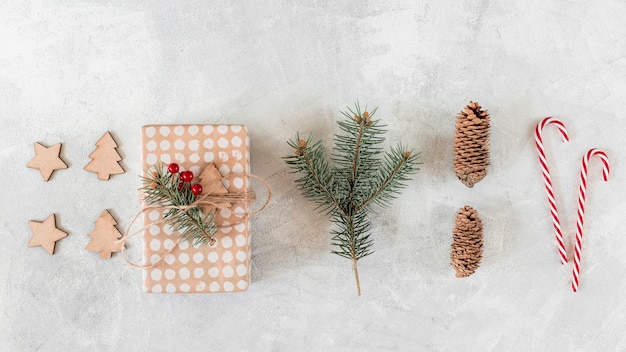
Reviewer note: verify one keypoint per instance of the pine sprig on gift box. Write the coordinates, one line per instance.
(165, 189)
(363, 175)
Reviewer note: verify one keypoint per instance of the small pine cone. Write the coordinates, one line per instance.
(471, 144)
(467, 242)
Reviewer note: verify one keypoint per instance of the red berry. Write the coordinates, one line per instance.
(196, 189)
(186, 176)
(173, 168)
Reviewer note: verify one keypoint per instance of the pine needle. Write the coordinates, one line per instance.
(363, 174)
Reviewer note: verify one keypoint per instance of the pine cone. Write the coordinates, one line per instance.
(467, 242)
(471, 144)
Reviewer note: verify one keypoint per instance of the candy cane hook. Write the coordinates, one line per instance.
(556, 223)
(582, 196)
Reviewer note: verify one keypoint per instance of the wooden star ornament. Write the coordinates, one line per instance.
(47, 160)
(45, 234)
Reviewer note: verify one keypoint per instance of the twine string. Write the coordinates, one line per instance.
(218, 201)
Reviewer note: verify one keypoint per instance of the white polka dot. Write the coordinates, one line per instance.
(170, 288)
(235, 128)
(242, 270)
(165, 145)
(214, 272)
(184, 273)
(241, 256)
(198, 257)
(214, 287)
(227, 242)
(225, 228)
(208, 143)
(155, 245)
(224, 170)
(238, 182)
(170, 259)
(225, 212)
(168, 244)
(194, 158)
(156, 274)
(200, 286)
(222, 143)
(228, 271)
(151, 146)
(195, 169)
(157, 288)
(212, 257)
(222, 129)
(183, 245)
(240, 227)
(164, 131)
(185, 287)
(198, 273)
(194, 144)
(154, 258)
(180, 157)
(207, 129)
(227, 257)
(151, 159)
(242, 284)
(240, 240)
(183, 258)
(237, 154)
(150, 131)
(239, 212)
(168, 229)
(228, 286)
(236, 141)
(193, 130)
(237, 168)
(179, 144)
(154, 230)
(166, 159)
(209, 157)
(170, 274)
(223, 156)
(179, 130)
(247, 141)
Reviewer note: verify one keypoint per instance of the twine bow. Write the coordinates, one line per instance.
(210, 201)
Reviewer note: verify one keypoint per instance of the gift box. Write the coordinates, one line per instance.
(225, 265)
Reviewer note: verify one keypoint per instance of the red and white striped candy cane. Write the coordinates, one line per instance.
(556, 223)
(582, 196)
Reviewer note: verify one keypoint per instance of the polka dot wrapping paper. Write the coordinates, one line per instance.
(224, 266)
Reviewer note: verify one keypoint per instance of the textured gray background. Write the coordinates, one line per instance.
(69, 71)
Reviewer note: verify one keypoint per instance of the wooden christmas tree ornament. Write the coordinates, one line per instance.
(211, 182)
(467, 242)
(45, 234)
(104, 237)
(471, 144)
(105, 158)
(47, 160)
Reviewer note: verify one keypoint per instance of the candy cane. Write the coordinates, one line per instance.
(581, 206)
(556, 223)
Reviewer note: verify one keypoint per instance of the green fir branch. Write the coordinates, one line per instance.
(163, 189)
(362, 175)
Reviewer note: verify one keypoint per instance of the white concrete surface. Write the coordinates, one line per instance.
(71, 70)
